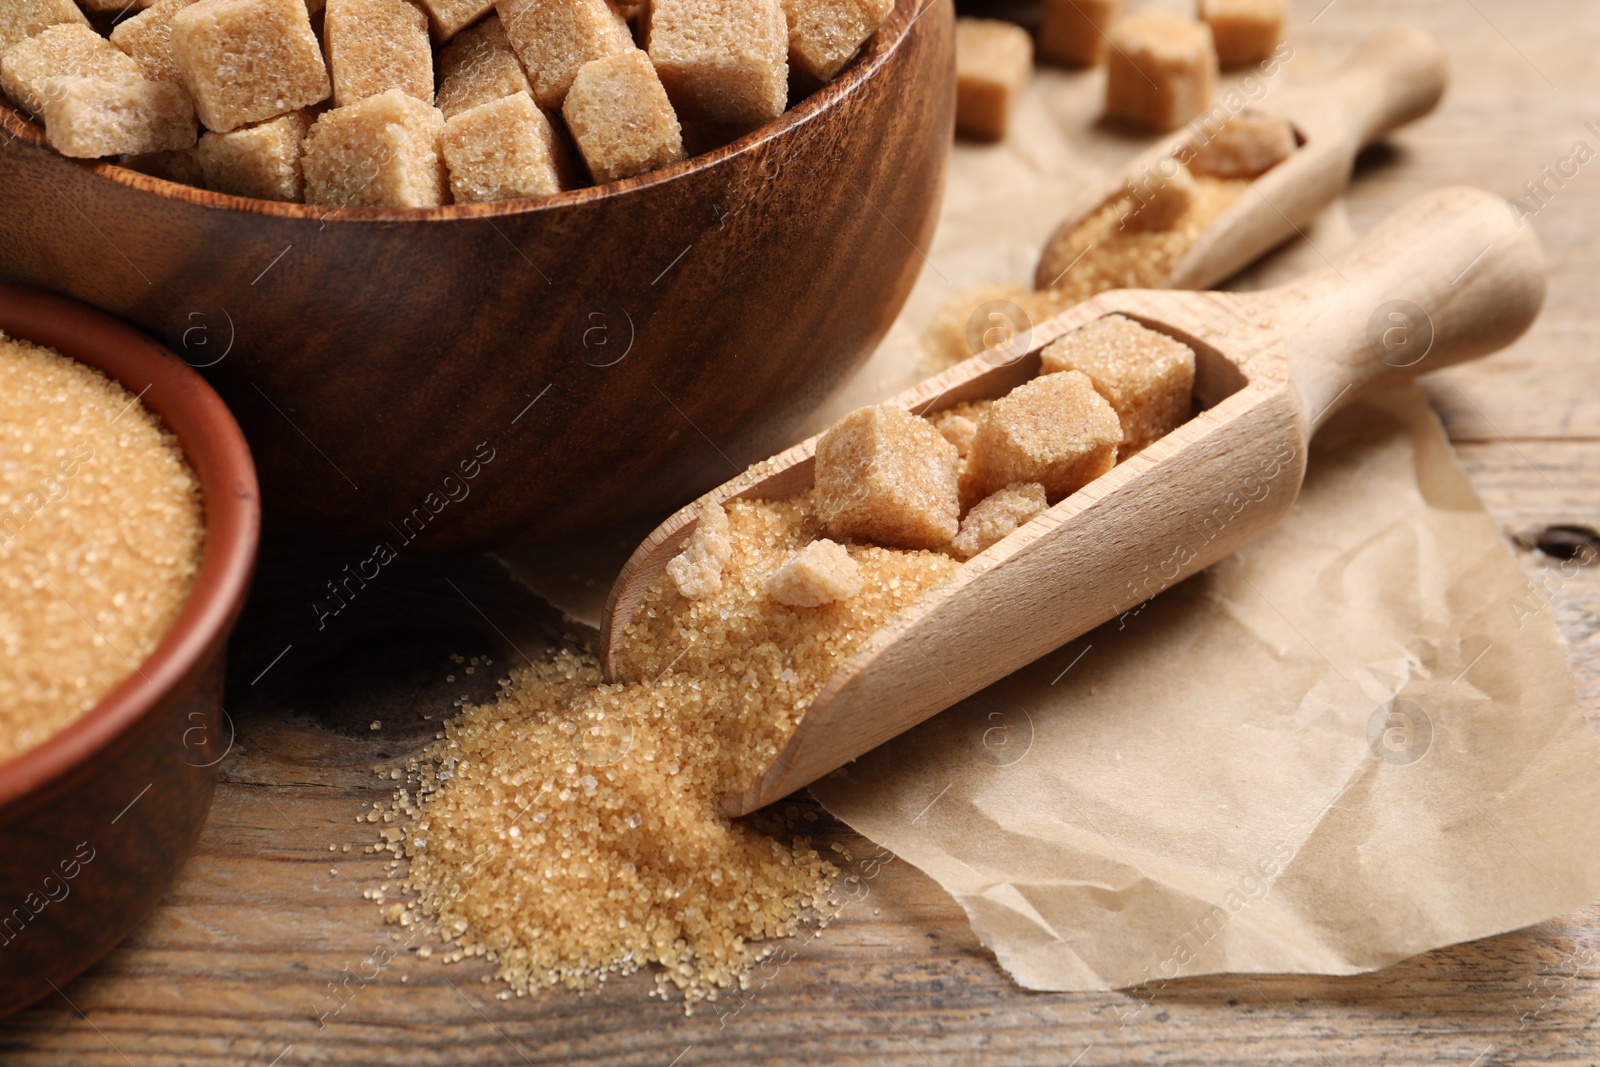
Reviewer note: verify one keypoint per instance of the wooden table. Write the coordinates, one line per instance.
(266, 953)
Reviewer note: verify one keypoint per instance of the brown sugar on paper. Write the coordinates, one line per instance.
(1303, 760)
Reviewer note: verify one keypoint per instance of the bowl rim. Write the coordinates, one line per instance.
(216, 449)
(873, 55)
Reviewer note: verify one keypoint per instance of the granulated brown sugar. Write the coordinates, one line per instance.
(1100, 253)
(572, 830)
(100, 536)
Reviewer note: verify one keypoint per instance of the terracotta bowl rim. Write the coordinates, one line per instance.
(216, 449)
(875, 53)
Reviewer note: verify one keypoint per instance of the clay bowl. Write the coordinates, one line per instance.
(483, 375)
(96, 821)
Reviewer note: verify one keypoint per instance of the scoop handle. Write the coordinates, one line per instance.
(1395, 77)
(1451, 276)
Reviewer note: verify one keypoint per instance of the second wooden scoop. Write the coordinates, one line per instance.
(1394, 77)
(1450, 277)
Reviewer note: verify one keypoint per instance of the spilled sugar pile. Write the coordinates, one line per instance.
(571, 830)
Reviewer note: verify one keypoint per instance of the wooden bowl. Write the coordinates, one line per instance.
(483, 375)
(96, 820)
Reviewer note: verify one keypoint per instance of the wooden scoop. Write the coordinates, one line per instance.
(1450, 277)
(1395, 77)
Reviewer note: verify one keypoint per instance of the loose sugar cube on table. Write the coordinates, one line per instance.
(1074, 31)
(1245, 31)
(87, 118)
(820, 573)
(1161, 70)
(381, 152)
(885, 475)
(620, 117)
(825, 34)
(248, 60)
(377, 45)
(502, 150)
(1146, 376)
(555, 38)
(994, 61)
(997, 516)
(262, 161)
(21, 19)
(63, 51)
(1248, 145)
(721, 60)
(477, 67)
(450, 17)
(1055, 430)
(147, 38)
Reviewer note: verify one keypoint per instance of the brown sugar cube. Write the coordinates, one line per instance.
(1161, 71)
(998, 516)
(374, 46)
(502, 150)
(477, 67)
(825, 34)
(697, 570)
(555, 38)
(381, 152)
(1055, 430)
(957, 429)
(886, 476)
(620, 117)
(248, 60)
(1074, 31)
(721, 60)
(179, 166)
(1245, 31)
(21, 19)
(994, 61)
(958, 422)
(820, 573)
(261, 161)
(87, 118)
(147, 37)
(450, 17)
(1158, 201)
(62, 51)
(1248, 145)
(1146, 376)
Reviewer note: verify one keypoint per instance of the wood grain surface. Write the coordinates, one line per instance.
(261, 953)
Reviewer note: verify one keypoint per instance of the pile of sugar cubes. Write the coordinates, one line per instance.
(960, 480)
(1161, 68)
(963, 478)
(414, 103)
